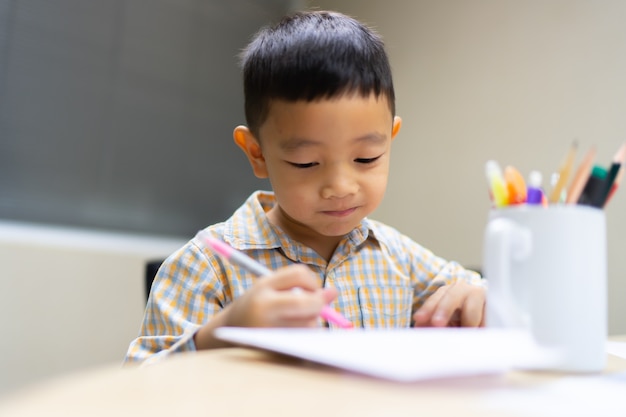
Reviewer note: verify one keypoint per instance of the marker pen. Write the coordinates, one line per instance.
(615, 168)
(249, 264)
(534, 193)
(615, 185)
(515, 185)
(497, 186)
(594, 192)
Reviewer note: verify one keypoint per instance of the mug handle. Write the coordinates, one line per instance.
(505, 242)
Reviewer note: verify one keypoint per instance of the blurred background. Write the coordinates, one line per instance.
(116, 145)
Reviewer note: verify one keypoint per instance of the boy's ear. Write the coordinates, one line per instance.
(397, 124)
(251, 147)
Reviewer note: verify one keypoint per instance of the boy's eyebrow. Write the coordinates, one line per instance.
(297, 143)
(373, 137)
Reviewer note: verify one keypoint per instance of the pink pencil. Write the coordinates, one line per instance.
(615, 185)
(580, 178)
(615, 171)
(238, 258)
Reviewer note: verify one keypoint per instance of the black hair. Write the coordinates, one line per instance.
(310, 56)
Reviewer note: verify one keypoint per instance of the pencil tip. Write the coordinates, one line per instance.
(621, 154)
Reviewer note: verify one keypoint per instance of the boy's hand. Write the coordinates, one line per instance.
(290, 297)
(456, 305)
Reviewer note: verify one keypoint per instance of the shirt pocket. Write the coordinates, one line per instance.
(385, 306)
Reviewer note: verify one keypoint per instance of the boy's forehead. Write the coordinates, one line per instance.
(295, 143)
(279, 108)
(301, 122)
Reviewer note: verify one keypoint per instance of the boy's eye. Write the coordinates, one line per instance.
(302, 166)
(367, 160)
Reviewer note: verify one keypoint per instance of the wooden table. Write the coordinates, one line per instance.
(246, 382)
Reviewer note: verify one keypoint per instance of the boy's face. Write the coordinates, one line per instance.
(327, 161)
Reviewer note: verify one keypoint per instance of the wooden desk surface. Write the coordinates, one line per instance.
(244, 382)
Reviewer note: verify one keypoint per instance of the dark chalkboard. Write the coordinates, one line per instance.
(118, 114)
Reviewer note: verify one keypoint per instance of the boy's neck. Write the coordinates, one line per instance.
(323, 245)
(323, 249)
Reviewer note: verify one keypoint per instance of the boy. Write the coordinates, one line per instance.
(320, 108)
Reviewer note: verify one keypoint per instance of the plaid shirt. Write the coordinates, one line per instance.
(382, 277)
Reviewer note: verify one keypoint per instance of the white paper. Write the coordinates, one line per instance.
(399, 354)
(616, 348)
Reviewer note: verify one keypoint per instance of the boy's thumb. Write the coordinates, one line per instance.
(329, 293)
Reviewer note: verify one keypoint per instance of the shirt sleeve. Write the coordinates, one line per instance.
(432, 272)
(185, 294)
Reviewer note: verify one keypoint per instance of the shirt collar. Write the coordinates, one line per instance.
(249, 228)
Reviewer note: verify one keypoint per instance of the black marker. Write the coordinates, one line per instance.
(594, 192)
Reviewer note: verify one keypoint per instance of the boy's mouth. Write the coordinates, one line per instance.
(340, 213)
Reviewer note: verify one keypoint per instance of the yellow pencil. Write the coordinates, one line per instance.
(564, 172)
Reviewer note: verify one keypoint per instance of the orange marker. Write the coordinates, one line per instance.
(515, 185)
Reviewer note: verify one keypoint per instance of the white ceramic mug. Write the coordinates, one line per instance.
(546, 271)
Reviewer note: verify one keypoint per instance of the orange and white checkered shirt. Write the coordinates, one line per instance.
(382, 277)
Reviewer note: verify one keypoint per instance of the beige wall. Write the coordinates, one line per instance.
(70, 298)
(516, 81)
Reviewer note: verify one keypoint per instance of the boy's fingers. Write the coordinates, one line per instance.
(289, 297)
(423, 315)
(473, 309)
(311, 322)
(464, 300)
(297, 306)
(302, 305)
(329, 294)
(291, 277)
(440, 307)
(451, 302)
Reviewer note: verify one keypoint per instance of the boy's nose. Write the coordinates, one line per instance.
(339, 183)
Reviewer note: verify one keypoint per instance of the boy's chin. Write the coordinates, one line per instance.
(337, 232)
